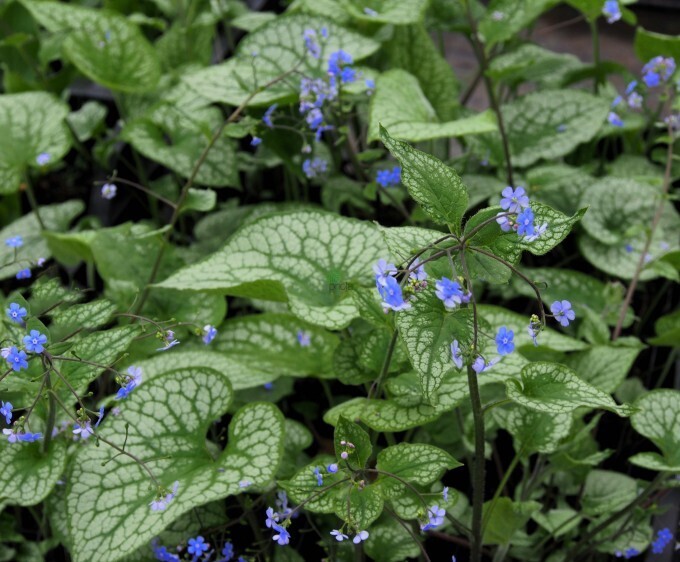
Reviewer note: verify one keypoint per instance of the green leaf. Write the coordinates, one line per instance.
(177, 138)
(658, 419)
(103, 347)
(504, 19)
(537, 432)
(102, 501)
(667, 329)
(246, 337)
(606, 491)
(102, 44)
(559, 186)
(404, 242)
(360, 507)
(303, 257)
(280, 47)
(88, 120)
(532, 63)
(31, 123)
(558, 521)
(399, 105)
(390, 542)
(411, 48)
(303, 487)
(55, 217)
(554, 388)
(78, 317)
(395, 12)
(649, 44)
(346, 430)
(70, 248)
(532, 122)
(437, 187)
(559, 226)
(603, 366)
(506, 519)
(28, 474)
(427, 331)
(202, 200)
(414, 463)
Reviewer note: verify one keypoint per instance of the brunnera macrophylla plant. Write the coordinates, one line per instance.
(425, 353)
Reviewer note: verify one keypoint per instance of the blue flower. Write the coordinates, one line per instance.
(282, 537)
(100, 416)
(630, 552)
(391, 294)
(479, 366)
(24, 274)
(561, 128)
(6, 410)
(109, 190)
(197, 546)
(162, 499)
(370, 12)
(336, 61)
(227, 552)
(634, 100)
(272, 517)
(563, 312)
(304, 338)
(525, 222)
(435, 516)
(450, 292)
(332, 468)
(161, 553)
(14, 242)
(313, 47)
(268, 385)
(34, 341)
(16, 359)
(534, 328)
(84, 430)
(382, 269)
(43, 158)
(339, 535)
(504, 343)
(445, 493)
(388, 178)
(256, 141)
(267, 117)
(658, 70)
(611, 11)
(169, 339)
(314, 167)
(663, 537)
(209, 333)
(29, 437)
(456, 354)
(319, 476)
(360, 536)
(16, 313)
(614, 119)
(538, 232)
(514, 200)
(370, 85)
(418, 272)
(504, 221)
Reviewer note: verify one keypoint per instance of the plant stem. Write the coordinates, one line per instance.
(499, 489)
(596, 54)
(51, 412)
(34, 204)
(648, 242)
(375, 387)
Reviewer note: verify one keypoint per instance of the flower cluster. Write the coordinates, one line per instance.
(340, 536)
(128, 382)
(451, 293)
(517, 214)
(388, 287)
(164, 497)
(388, 177)
(611, 11)
(281, 536)
(663, 538)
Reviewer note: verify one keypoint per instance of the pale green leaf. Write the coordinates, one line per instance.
(554, 388)
(28, 474)
(102, 44)
(532, 63)
(604, 366)
(396, 12)
(350, 432)
(55, 217)
(427, 330)
(81, 316)
(31, 123)
(164, 422)
(390, 542)
(658, 419)
(606, 491)
(404, 242)
(360, 507)
(177, 139)
(559, 186)
(304, 486)
(433, 184)
(400, 106)
(504, 19)
(86, 121)
(412, 49)
(532, 122)
(537, 432)
(303, 257)
(279, 46)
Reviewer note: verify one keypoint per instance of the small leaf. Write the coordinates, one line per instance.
(554, 388)
(360, 507)
(504, 19)
(537, 432)
(390, 542)
(658, 419)
(649, 44)
(605, 367)
(605, 492)
(387, 11)
(506, 519)
(87, 120)
(348, 431)
(667, 329)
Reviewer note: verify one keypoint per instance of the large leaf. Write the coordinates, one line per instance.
(31, 123)
(604, 366)
(164, 423)
(28, 474)
(400, 106)
(55, 217)
(433, 184)
(102, 44)
(658, 419)
(504, 19)
(532, 123)
(304, 257)
(427, 331)
(537, 432)
(177, 139)
(278, 46)
(554, 388)
(649, 45)
(390, 542)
